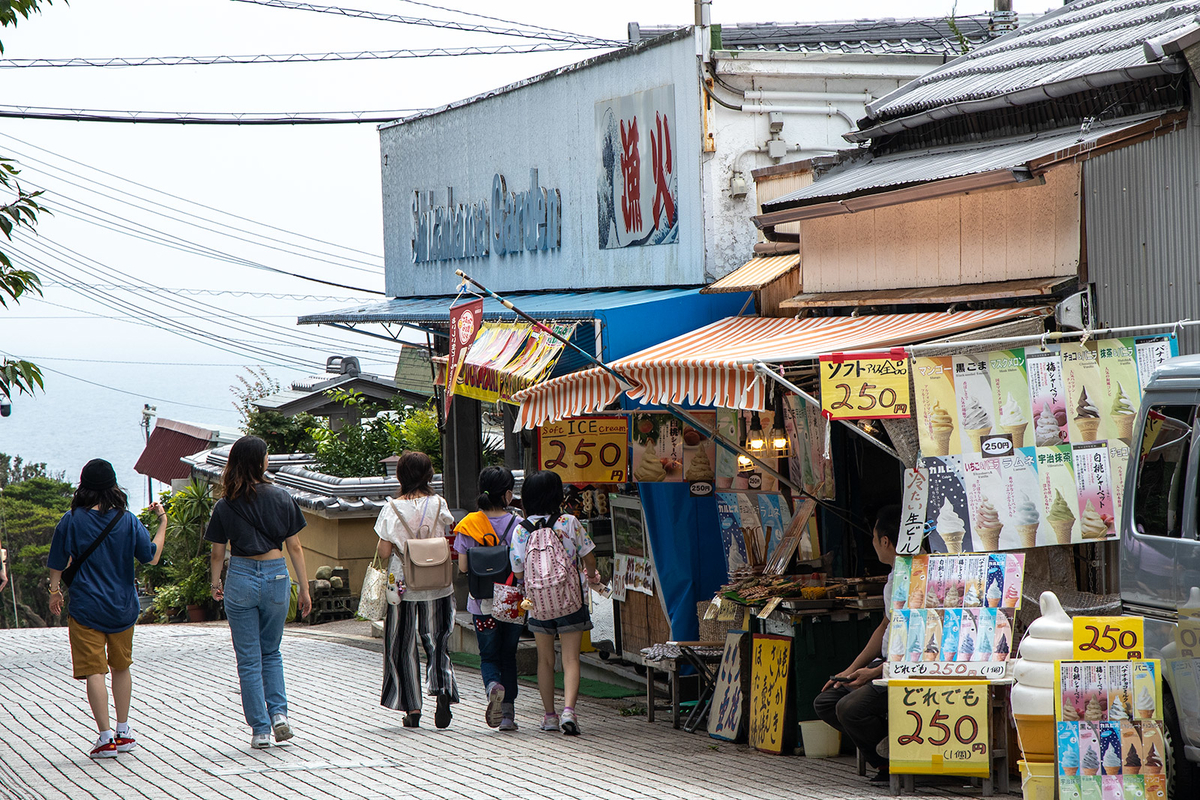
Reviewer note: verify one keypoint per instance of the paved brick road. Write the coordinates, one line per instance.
(187, 717)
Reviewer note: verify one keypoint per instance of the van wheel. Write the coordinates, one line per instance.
(1183, 777)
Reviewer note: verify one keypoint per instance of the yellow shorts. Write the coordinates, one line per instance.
(88, 650)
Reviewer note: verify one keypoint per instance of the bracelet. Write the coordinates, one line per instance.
(214, 586)
(55, 590)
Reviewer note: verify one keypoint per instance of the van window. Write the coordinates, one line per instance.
(1162, 468)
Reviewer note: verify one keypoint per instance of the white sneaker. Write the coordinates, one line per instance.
(104, 748)
(260, 741)
(281, 728)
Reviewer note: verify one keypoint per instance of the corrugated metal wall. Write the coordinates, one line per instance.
(1143, 231)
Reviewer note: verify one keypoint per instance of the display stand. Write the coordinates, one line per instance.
(705, 673)
(997, 781)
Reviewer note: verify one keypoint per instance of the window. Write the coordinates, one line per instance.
(1162, 468)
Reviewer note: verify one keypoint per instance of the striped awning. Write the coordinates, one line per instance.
(714, 365)
(755, 274)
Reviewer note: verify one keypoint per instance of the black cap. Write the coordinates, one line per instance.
(97, 476)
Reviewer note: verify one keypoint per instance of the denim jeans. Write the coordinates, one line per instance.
(498, 653)
(256, 602)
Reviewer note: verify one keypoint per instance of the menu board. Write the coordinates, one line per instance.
(1030, 446)
(665, 449)
(771, 727)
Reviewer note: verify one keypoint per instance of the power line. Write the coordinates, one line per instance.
(493, 19)
(526, 32)
(220, 292)
(207, 118)
(295, 58)
(38, 359)
(214, 209)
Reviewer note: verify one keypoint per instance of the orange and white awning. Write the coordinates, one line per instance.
(714, 365)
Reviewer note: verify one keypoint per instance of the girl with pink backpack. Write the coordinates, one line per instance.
(547, 551)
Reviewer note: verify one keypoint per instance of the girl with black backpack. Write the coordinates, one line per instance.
(483, 545)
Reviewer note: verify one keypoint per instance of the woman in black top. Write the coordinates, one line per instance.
(257, 519)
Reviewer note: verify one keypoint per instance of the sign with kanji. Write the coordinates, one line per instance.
(726, 718)
(465, 319)
(873, 386)
(586, 449)
(912, 523)
(772, 729)
(1109, 638)
(939, 727)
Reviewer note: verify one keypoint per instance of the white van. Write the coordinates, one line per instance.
(1160, 552)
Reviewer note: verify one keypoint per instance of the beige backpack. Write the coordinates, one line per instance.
(426, 560)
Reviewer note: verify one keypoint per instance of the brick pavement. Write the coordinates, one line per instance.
(194, 743)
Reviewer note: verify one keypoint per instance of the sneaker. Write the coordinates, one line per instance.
(550, 723)
(569, 725)
(442, 716)
(104, 748)
(281, 728)
(125, 742)
(260, 741)
(495, 699)
(508, 723)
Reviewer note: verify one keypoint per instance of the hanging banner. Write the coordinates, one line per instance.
(465, 319)
(873, 386)
(667, 450)
(507, 357)
(1030, 447)
(939, 728)
(586, 450)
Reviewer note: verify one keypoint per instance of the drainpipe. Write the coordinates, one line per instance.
(703, 36)
(763, 95)
(822, 111)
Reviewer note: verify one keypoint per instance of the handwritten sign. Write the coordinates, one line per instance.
(770, 694)
(586, 449)
(939, 728)
(873, 386)
(1109, 638)
(912, 523)
(727, 716)
(936, 669)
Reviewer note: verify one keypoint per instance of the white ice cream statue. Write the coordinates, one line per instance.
(1048, 639)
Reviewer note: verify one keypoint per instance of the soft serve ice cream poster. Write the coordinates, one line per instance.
(1084, 385)
(947, 512)
(1010, 388)
(1001, 495)
(973, 392)
(1122, 389)
(1093, 486)
(1059, 495)
(937, 410)
(1047, 396)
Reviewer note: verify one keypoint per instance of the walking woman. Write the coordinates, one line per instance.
(417, 513)
(96, 543)
(257, 520)
(492, 526)
(546, 553)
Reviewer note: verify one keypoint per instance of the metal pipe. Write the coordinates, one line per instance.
(808, 97)
(823, 111)
(763, 369)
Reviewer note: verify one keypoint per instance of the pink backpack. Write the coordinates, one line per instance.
(551, 577)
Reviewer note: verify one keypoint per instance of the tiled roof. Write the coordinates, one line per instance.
(868, 36)
(169, 442)
(1086, 44)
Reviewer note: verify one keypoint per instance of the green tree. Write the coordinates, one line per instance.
(21, 211)
(29, 510)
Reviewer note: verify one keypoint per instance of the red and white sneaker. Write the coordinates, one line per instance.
(104, 748)
(126, 742)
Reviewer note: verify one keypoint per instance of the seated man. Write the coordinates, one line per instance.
(850, 701)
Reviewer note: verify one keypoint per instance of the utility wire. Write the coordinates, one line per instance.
(220, 292)
(206, 118)
(214, 209)
(524, 32)
(38, 359)
(493, 19)
(294, 58)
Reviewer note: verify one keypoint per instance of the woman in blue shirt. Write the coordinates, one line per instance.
(101, 539)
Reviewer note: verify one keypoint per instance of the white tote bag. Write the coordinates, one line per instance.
(372, 602)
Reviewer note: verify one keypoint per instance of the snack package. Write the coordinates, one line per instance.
(916, 583)
(1120, 691)
(916, 635)
(933, 635)
(1145, 691)
(951, 625)
(898, 635)
(901, 575)
(935, 583)
(1002, 636)
(985, 638)
(1014, 578)
(1111, 758)
(974, 572)
(1068, 749)
(956, 591)
(968, 631)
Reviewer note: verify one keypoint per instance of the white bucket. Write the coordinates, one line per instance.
(820, 739)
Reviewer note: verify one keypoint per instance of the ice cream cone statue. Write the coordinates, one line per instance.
(941, 428)
(951, 528)
(987, 528)
(977, 422)
(1013, 421)
(1061, 519)
(1122, 415)
(1048, 638)
(1087, 417)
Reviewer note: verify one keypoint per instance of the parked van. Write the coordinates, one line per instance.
(1160, 553)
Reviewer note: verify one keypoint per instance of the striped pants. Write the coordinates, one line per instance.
(401, 663)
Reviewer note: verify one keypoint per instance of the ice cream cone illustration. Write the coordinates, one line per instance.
(649, 467)
(1091, 762)
(1152, 764)
(941, 428)
(1133, 762)
(1013, 421)
(1061, 519)
(1070, 771)
(1145, 703)
(987, 527)
(1122, 415)
(1028, 535)
(1046, 432)
(1026, 521)
(1087, 417)
(977, 422)
(950, 527)
(1092, 525)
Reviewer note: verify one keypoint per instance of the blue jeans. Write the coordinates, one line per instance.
(498, 653)
(256, 603)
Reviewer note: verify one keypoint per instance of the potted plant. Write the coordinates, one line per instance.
(167, 602)
(195, 588)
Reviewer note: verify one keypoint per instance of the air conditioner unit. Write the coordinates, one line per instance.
(1075, 313)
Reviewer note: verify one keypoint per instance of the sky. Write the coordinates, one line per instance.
(320, 182)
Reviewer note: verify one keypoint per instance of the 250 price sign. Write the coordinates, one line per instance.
(873, 386)
(586, 449)
(1109, 638)
(939, 727)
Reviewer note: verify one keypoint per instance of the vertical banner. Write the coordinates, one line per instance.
(465, 319)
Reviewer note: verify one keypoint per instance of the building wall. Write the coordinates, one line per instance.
(1143, 212)
(998, 235)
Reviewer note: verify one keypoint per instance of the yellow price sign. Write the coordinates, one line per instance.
(872, 386)
(1187, 633)
(939, 727)
(586, 449)
(1109, 638)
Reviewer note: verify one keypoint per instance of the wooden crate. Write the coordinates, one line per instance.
(332, 607)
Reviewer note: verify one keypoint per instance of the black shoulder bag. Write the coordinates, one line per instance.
(71, 571)
(487, 566)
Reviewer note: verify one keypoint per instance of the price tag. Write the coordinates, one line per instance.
(586, 449)
(770, 607)
(728, 611)
(874, 386)
(1187, 633)
(939, 727)
(714, 607)
(1109, 638)
(992, 670)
